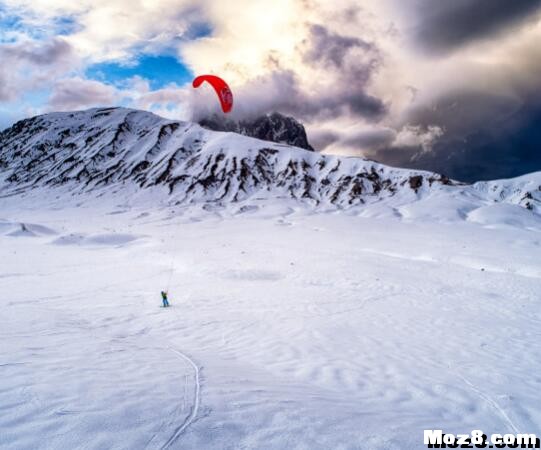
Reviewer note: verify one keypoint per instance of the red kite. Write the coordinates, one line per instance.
(220, 86)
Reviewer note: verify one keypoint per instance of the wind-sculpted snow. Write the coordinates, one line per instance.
(289, 332)
(92, 149)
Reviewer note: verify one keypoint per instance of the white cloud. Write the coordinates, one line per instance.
(416, 136)
(30, 65)
(77, 93)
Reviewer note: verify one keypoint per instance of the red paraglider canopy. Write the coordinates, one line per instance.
(220, 86)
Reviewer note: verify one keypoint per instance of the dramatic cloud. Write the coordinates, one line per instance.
(487, 98)
(331, 48)
(48, 54)
(369, 140)
(452, 86)
(29, 65)
(325, 75)
(413, 141)
(353, 62)
(76, 93)
(444, 26)
(109, 30)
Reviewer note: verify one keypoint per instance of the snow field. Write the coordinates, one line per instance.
(288, 329)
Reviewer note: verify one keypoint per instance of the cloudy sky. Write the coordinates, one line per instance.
(448, 85)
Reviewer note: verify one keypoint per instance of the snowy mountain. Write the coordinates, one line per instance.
(273, 127)
(416, 308)
(87, 150)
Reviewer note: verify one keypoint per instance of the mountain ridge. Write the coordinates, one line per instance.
(102, 147)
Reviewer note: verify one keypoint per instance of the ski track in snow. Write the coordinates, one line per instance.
(491, 402)
(195, 407)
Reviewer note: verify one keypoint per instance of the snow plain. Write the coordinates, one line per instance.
(289, 329)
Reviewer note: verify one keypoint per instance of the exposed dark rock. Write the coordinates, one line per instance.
(416, 182)
(273, 127)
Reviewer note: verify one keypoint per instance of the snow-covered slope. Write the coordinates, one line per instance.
(101, 147)
(89, 150)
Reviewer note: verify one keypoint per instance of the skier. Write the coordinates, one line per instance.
(164, 298)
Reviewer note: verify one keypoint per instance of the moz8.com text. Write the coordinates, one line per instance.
(477, 439)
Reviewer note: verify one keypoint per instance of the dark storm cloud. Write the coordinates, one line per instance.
(487, 127)
(488, 106)
(466, 109)
(490, 153)
(353, 62)
(487, 136)
(446, 25)
(364, 105)
(329, 47)
(371, 139)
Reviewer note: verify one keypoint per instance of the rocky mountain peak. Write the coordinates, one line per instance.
(273, 127)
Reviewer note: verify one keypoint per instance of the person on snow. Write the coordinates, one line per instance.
(164, 298)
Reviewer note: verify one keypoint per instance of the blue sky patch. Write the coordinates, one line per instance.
(198, 30)
(12, 24)
(66, 25)
(8, 22)
(158, 70)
